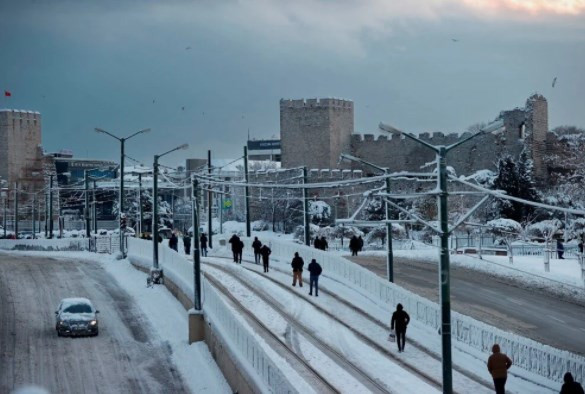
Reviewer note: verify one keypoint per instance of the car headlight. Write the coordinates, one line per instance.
(93, 322)
(62, 323)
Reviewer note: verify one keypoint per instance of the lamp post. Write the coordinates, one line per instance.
(247, 193)
(444, 231)
(390, 254)
(16, 210)
(155, 267)
(122, 155)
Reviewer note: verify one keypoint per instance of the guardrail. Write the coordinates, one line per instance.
(241, 340)
(527, 354)
(62, 244)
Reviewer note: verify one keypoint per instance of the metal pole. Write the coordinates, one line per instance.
(5, 211)
(121, 204)
(33, 216)
(51, 207)
(566, 232)
(306, 209)
(196, 252)
(390, 257)
(444, 279)
(46, 215)
(16, 209)
(86, 210)
(221, 213)
(209, 203)
(248, 227)
(95, 223)
(154, 230)
(140, 212)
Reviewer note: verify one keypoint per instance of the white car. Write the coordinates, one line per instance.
(76, 316)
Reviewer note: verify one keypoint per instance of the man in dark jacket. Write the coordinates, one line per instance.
(256, 245)
(560, 249)
(570, 386)
(354, 245)
(324, 244)
(265, 253)
(400, 320)
(203, 243)
(297, 266)
(360, 243)
(235, 241)
(498, 365)
(317, 243)
(240, 251)
(187, 244)
(174, 242)
(315, 270)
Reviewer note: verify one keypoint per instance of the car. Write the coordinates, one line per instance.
(76, 317)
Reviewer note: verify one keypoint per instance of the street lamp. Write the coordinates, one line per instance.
(121, 203)
(155, 268)
(444, 270)
(390, 255)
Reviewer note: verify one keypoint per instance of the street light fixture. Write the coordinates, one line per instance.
(155, 267)
(122, 156)
(390, 255)
(444, 231)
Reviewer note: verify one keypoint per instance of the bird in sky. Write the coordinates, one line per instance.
(454, 40)
(554, 82)
(187, 48)
(182, 108)
(153, 101)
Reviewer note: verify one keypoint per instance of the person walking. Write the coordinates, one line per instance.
(354, 245)
(360, 243)
(256, 245)
(400, 320)
(240, 251)
(498, 365)
(314, 270)
(235, 241)
(265, 253)
(560, 249)
(580, 246)
(187, 244)
(317, 243)
(297, 266)
(324, 244)
(203, 243)
(570, 386)
(173, 242)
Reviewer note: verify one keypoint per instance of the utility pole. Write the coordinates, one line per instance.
(33, 221)
(86, 209)
(196, 251)
(121, 203)
(140, 213)
(154, 230)
(5, 211)
(209, 203)
(16, 209)
(306, 209)
(46, 215)
(248, 227)
(95, 223)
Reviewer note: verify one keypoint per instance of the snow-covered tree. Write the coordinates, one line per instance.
(379, 233)
(374, 210)
(506, 231)
(320, 212)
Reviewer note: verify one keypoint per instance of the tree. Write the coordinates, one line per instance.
(506, 231)
(516, 180)
(320, 212)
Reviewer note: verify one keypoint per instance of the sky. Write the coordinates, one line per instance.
(208, 72)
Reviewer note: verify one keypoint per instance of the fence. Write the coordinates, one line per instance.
(534, 357)
(62, 244)
(241, 340)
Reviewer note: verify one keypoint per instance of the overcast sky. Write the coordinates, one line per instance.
(86, 65)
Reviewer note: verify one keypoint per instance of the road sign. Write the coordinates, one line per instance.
(227, 204)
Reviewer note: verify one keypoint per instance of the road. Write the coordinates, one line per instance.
(530, 313)
(124, 358)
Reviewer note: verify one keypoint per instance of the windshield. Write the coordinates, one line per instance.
(78, 308)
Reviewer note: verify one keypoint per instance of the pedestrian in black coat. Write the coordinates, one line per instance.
(297, 266)
(256, 245)
(400, 320)
(360, 243)
(560, 249)
(187, 244)
(203, 243)
(580, 246)
(240, 251)
(354, 245)
(314, 270)
(324, 244)
(235, 241)
(174, 242)
(317, 243)
(570, 386)
(265, 253)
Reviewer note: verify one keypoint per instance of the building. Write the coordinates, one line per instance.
(314, 132)
(21, 157)
(71, 170)
(264, 150)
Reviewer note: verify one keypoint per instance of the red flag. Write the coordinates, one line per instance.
(7, 93)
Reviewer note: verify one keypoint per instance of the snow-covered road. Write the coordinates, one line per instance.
(125, 358)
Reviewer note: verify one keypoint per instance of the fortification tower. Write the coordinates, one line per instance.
(536, 135)
(20, 150)
(314, 132)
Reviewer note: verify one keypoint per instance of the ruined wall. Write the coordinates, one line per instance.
(314, 132)
(20, 152)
